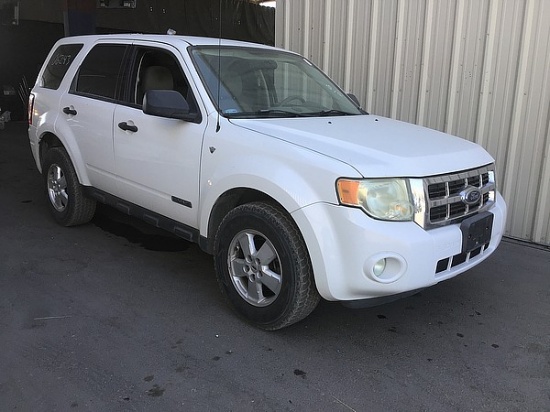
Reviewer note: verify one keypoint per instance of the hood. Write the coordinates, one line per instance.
(376, 146)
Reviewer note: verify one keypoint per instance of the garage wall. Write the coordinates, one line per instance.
(479, 69)
(22, 53)
(240, 20)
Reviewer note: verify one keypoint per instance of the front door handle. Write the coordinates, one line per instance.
(69, 110)
(127, 127)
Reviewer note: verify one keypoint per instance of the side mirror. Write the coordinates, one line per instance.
(167, 103)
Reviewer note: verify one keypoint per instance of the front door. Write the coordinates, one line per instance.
(158, 159)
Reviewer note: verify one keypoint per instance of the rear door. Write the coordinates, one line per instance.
(158, 159)
(87, 111)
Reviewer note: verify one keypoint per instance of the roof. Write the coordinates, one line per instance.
(174, 40)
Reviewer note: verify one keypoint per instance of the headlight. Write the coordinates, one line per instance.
(386, 199)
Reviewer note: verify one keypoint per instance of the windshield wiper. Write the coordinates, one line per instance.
(262, 114)
(333, 112)
(266, 113)
(278, 113)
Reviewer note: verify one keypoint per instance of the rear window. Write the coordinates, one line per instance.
(100, 72)
(59, 64)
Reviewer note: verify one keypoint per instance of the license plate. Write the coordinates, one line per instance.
(476, 231)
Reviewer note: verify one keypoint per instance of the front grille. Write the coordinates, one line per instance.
(444, 196)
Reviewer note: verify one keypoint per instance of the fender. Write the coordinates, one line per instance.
(70, 145)
(291, 174)
(42, 126)
(48, 124)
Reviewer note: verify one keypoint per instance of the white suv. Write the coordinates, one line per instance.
(256, 155)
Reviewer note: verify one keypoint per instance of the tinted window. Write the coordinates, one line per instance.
(100, 71)
(59, 64)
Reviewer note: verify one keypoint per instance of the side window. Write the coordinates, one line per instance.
(58, 65)
(156, 69)
(101, 71)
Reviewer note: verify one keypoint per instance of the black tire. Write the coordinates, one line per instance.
(263, 266)
(66, 200)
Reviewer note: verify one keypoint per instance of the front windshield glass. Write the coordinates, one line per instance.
(260, 83)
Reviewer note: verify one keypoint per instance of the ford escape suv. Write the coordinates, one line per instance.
(256, 155)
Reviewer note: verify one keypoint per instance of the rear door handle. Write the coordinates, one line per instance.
(127, 127)
(69, 110)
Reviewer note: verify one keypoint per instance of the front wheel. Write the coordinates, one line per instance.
(68, 204)
(263, 266)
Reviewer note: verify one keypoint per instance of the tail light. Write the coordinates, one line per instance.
(30, 108)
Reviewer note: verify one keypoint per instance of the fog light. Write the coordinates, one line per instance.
(379, 267)
(385, 267)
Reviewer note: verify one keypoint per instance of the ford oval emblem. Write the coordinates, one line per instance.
(470, 196)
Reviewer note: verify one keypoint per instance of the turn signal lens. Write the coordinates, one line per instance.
(348, 191)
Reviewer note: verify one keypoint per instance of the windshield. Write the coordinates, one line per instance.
(260, 83)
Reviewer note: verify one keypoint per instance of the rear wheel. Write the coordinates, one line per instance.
(68, 204)
(263, 266)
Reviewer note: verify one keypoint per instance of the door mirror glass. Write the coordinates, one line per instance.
(167, 103)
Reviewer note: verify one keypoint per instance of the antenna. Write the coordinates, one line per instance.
(219, 63)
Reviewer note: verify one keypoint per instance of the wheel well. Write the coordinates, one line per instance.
(48, 141)
(228, 201)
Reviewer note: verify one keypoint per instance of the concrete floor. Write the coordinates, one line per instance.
(115, 316)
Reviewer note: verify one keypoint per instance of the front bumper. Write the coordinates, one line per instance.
(345, 244)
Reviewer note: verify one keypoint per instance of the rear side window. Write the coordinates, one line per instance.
(101, 71)
(59, 64)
